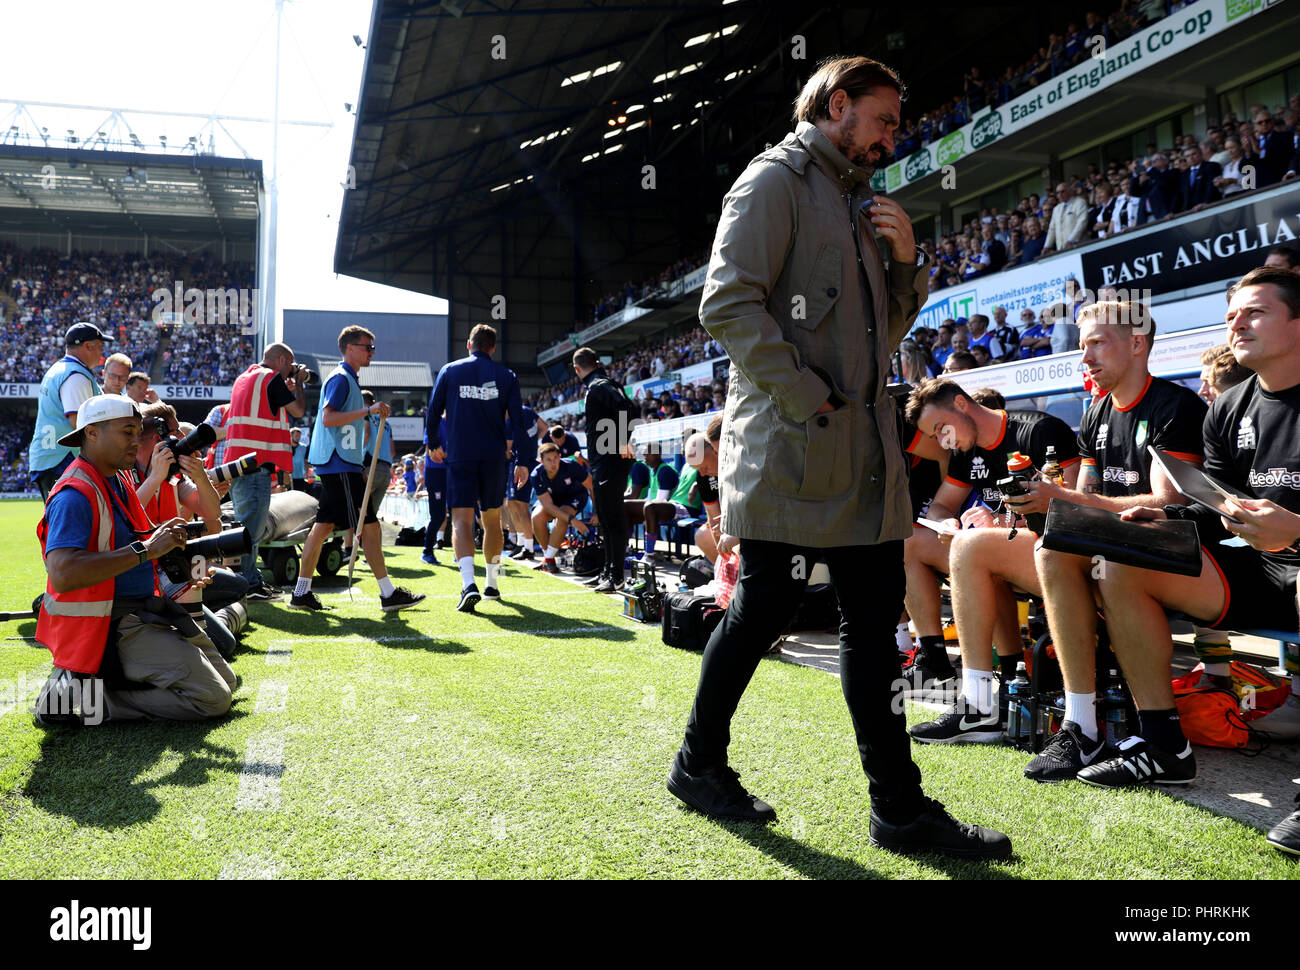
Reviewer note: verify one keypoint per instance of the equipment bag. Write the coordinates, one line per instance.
(689, 620)
(410, 537)
(588, 559)
(1219, 718)
(695, 572)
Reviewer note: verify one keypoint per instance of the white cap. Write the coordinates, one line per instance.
(697, 448)
(96, 410)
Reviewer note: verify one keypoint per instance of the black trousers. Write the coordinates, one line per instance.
(609, 482)
(869, 582)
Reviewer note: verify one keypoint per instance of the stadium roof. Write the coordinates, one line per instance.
(127, 193)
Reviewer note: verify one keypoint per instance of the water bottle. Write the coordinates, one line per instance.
(1021, 471)
(1115, 706)
(1018, 726)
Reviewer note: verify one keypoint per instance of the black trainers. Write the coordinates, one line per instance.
(263, 593)
(934, 830)
(469, 597)
(959, 724)
(718, 793)
(57, 702)
(522, 555)
(1285, 835)
(491, 593)
(1139, 763)
(307, 601)
(400, 600)
(593, 580)
(926, 680)
(1068, 753)
(549, 566)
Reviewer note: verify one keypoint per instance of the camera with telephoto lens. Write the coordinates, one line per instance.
(233, 469)
(199, 438)
(177, 563)
(306, 376)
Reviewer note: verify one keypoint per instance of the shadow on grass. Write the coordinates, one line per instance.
(92, 775)
(535, 622)
(302, 623)
(815, 864)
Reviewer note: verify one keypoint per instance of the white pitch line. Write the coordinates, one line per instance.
(259, 778)
(271, 697)
(17, 693)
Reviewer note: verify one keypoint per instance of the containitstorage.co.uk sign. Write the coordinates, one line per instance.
(1166, 38)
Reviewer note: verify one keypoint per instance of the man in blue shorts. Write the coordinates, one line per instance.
(563, 487)
(476, 393)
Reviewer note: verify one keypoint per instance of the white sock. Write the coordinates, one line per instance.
(1218, 670)
(1082, 710)
(550, 552)
(492, 568)
(466, 571)
(521, 539)
(903, 638)
(977, 688)
(303, 587)
(386, 587)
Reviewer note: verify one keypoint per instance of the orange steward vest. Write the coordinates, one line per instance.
(74, 625)
(251, 428)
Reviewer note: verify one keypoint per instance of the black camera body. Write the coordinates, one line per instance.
(308, 378)
(178, 562)
(198, 439)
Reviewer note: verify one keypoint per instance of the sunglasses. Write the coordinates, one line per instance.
(368, 348)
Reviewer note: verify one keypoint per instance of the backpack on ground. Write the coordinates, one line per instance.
(695, 572)
(689, 620)
(410, 537)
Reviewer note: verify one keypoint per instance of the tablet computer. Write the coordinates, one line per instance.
(1195, 485)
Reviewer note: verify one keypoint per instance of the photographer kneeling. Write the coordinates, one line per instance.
(102, 617)
(166, 495)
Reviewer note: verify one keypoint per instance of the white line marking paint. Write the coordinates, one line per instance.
(17, 693)
(271, 697)
(259, 778)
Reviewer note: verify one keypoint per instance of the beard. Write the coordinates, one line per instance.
(860, 156)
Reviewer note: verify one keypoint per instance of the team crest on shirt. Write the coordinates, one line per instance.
(1245, 433)
(1103, 430)
(1141, 438)
(977, 468)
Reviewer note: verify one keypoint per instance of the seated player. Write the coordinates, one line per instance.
(648, 499)
(1252, 444)
(980, 439)
(562, 487)
(519, 487)
(702, 455)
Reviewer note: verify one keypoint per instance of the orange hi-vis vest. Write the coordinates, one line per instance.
(74, 625)
(164, 506)
(251, 428)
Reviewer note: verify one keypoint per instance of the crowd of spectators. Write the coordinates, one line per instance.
(631, 293)
(47, 291)
(639, 364)
(15, 436)
(1061, 52)
(1185, 177)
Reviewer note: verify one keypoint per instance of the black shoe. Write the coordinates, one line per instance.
(509, 545)
(1285, 835)
(522, 555)
(1140, 763)
(1068, 753)
(930, 681)
(263, 593)
(307, 601)
(934, 830)
(593, 580)
(469, 597)
(718, 793)
(400, 599)
(59, 696)
(549, 566)
(959, 724)
(491, 593)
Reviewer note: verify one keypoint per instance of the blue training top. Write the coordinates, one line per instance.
(476, 393)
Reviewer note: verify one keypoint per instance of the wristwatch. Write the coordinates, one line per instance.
(138, 548)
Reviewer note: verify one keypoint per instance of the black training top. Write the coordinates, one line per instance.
(1028, 432)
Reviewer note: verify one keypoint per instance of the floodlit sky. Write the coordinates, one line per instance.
(218, 57)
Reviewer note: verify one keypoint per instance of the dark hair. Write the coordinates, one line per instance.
(938, 391)
(353, 335)
(1289, 253)
(368, 396)
(855, 75)
(136, 375)
(989, 398)
(483, 338)
(548, 448)
(1287, 282)
(714, 431)
(1226, 372)
(585, 358)
(556, 429)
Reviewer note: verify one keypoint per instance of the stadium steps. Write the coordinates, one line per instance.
(159, 364)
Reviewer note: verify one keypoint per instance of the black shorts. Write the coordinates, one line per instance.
(1260, 590)
(341, 500)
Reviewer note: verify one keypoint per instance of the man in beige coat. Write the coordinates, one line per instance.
(810, 461)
